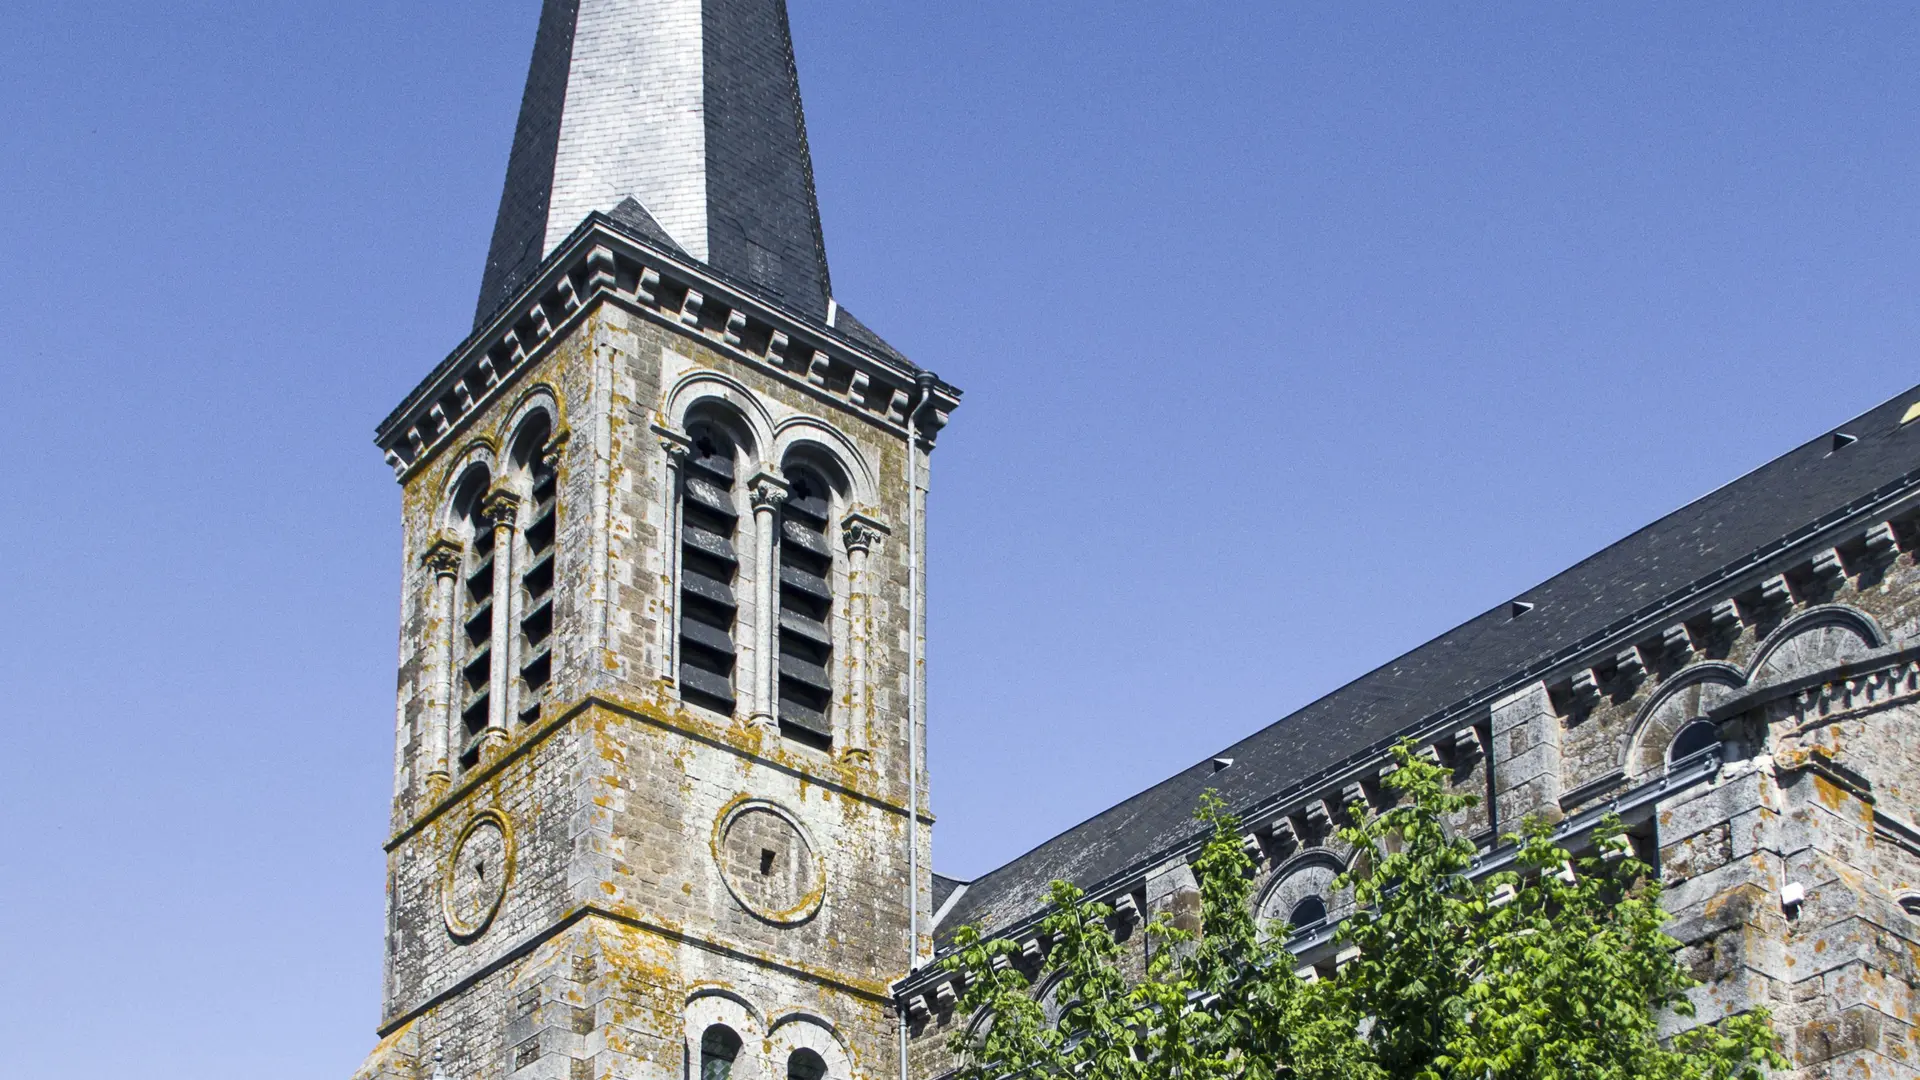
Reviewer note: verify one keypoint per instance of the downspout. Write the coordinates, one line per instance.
(916, 660)
(924, 381)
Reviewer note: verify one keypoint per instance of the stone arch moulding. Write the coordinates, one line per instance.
(1816, 639)
(1048, 995)
(1309, 873)
(1690, 694)
(710, 1005)
(732, 395)
(481, 450)
(811, 433)
(808, 1031)
(537, 398)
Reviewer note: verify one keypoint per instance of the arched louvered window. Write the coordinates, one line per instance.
(719, 1046)
(537, 565)
(806, 609)
(475, 635)
(709, 564)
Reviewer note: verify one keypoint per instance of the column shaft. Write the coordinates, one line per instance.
(502, 510)
(677, 448)
(446, 574)
(857, 647)
(768, 493)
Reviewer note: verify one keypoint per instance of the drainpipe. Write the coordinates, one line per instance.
(924, 381)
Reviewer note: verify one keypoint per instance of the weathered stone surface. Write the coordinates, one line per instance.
(666, 866)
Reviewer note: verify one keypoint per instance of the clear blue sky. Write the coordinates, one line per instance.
(1291, 336)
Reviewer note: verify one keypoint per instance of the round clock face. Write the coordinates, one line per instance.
(476, 879)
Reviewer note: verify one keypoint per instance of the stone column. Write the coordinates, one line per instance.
(676, 447)
(443, 558)
(502, 510)
(861, 535)
(768, 492)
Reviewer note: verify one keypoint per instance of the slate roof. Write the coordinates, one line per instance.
(943, 887)
(763, 219)
(520, 227)
(1803, 490)
(635, 217)
(860, 334)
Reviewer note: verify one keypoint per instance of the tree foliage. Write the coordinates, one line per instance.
(1552, 970)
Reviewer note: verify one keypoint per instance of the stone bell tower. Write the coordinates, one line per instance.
(659, 802)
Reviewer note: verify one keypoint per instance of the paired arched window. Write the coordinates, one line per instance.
(805, 635)
(719, 1047)
(709, 565)
(500, 643)
(791, 545)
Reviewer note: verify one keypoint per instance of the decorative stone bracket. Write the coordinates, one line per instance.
(601, 258)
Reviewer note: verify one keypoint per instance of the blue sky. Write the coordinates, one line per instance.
(1291, 335)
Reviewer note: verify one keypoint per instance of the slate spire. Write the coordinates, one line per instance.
(680, 118)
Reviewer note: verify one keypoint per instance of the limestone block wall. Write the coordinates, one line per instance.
(563, 378)
(1836, 967)
(535, 790)
(690, 823)
(658, 375)
(1830, 607)
(628, 865)
(605, 999)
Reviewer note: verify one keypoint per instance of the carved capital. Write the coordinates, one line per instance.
(442, 557)
(766, 491)
(676, 445)
(500, 508)
(556, 449)
(861, 533)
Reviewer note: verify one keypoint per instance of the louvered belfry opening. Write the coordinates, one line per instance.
(709, 565)
(806, 606)
(536, 579)
(476, 616)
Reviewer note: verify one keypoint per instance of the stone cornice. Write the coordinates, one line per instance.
(871, 990)
(600, 260)
(431, 810)
(1701, 769)
(1802, 552)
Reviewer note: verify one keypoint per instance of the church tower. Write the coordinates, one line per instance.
(659, 789)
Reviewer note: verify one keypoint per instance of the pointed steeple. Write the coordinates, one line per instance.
(678, 118)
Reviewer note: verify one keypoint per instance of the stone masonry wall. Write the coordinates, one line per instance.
(1793, 872)
(668, 866)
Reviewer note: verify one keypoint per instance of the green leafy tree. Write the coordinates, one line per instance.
(1554, 970)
